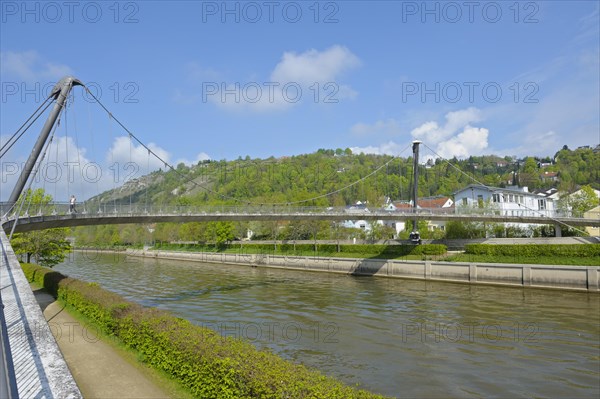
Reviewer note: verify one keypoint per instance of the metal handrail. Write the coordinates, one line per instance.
(62, 208)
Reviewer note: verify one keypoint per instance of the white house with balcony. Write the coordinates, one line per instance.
(510, 201)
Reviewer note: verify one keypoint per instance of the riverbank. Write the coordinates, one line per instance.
(100, 367)
(202, 361)
(567, 277)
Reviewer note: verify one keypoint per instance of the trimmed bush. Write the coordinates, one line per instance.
(533, 250)
(323, 249)
(209, 365)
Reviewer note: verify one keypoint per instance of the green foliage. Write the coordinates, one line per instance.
(533, 250)
(578, 167)
(468, 230)
(46, 247)
(321, 249)
(584, 201)
(296, 178)
(224, 233)
(209, 365)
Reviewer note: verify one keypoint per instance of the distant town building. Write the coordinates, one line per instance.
(357, 210)
(436, 204)
(593, 214)
(549, 176)
(511, 201)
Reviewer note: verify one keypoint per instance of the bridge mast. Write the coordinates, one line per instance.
(414, 235)
(60, 91)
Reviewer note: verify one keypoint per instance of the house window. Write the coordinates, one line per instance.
(465, 201)
(496, 198)
(521, 199)
(542, 204)
(480, 201)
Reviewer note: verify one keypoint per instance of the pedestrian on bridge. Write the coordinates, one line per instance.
(72, 204)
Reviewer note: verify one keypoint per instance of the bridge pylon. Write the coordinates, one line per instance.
(59, 92)
(415, 237)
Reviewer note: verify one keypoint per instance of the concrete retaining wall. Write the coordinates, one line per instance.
(584, 278)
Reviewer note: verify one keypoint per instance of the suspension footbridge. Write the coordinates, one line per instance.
(39, 365)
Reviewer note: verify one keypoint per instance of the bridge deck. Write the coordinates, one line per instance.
(57, 215)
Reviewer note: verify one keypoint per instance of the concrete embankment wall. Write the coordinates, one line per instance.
(584, 278)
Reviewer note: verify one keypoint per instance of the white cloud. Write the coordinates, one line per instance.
(128, 152)
(471, 141)
(314, 66)
(31, 67)
(432, 133)
(182, 98)
(202, 156)
(197, 73)
(311, 76)
(389, 126)
(456, 137)
(389, 148)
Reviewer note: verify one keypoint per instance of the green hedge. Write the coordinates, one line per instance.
(209, 365)
(533, 250)
(326, 249)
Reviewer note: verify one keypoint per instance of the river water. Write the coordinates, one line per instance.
(403, 338)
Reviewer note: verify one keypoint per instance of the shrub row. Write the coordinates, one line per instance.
(332, 249)
(209, 365)
(533, 250)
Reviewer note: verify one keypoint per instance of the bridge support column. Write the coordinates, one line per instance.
(557, 230)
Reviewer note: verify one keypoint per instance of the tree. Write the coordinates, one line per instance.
(224, 232)
(464, 230)
(47, 247)
(582, 202)
(380, 232)
(530, 176)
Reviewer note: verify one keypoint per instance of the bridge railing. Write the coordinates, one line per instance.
(114, 209)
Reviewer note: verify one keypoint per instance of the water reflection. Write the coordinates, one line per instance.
(404, 338)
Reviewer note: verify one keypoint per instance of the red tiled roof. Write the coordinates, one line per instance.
(437, 202)
(432, 202)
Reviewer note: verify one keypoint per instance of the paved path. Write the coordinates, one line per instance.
(100, 372)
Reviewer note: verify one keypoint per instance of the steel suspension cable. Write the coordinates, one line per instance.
(223, 196)
(520, 205)
(130, 163)
(4, 149)
(76, 136)
(67, 153)
(31, 180)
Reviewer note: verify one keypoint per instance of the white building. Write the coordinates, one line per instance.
(436, 204)
(511, 201)
(356, 211)
(593, 214)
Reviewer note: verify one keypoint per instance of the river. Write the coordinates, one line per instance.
(403, 338)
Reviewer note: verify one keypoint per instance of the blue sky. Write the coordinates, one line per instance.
(202, 79)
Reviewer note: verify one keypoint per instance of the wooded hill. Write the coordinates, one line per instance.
(298, 178)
